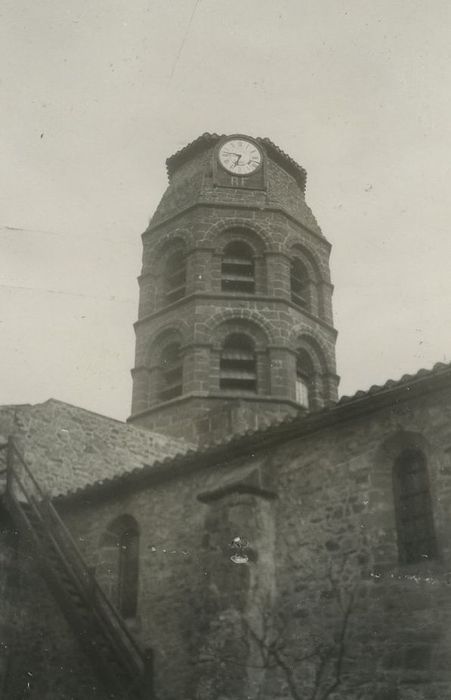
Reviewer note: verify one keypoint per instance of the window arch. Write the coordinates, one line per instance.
(238, 365)
(304, 378)
(299, 284)
(413, 507)
(171, 372)
(119, 566)
(128, 572)
(174, 283)
(237, 268)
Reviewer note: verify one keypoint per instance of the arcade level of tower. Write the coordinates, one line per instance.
(235, 322)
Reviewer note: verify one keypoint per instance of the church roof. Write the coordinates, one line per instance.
(207, 140)
(69, 448)
(189, 459)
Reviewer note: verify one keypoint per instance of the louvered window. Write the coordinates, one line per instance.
(175, 277)
(238, 368)
(171, 372)
(304, 378)
(117, 569)
(302, 391)
(414, 518)
(237, 269)
(299, 284)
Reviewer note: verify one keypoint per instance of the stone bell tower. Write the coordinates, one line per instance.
(235, 323)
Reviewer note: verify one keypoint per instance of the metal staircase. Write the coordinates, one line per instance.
(123, 667)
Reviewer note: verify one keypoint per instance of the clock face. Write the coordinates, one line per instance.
(240, 157)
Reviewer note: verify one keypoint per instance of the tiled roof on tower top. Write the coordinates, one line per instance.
(286, 161)
(206, 140)
(188, 151)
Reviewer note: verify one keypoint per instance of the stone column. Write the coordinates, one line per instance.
(239, 589)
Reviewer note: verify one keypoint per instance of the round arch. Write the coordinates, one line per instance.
(164, 278)
(118, 563)
(165, 364)
(406, 470)
(257, 326)
(166, 335)
(396, 443)
(300, 340)
(256, 233)
(153, 252)
(118, 525)
(308, 260)
(312, 375)
(294, 248)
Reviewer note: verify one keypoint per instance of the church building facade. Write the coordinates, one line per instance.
(246, 535)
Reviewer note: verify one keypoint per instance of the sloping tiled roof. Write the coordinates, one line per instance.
(206, 140)
(439, 368)
(288, 428)
(69, 448)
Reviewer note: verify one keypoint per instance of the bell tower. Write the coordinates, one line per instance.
(235, 323)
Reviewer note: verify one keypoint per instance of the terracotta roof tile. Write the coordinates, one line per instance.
(206, 140)
(249, 437)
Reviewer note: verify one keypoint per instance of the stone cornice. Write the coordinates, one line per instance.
(217, 296)
(229, 396)
(236, 205)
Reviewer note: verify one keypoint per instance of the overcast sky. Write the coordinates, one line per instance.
(95, 96)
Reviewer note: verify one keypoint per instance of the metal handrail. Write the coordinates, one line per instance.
(83, 570)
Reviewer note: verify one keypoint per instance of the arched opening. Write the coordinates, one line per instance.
(238, 366)
(413, 507)
(171, 372)
(175, 276)
(304, 379)
(299, 282)
(237, 268)
(118, 570)
(128, 572)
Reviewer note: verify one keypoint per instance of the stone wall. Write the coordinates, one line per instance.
(322, 604)
(40, 658)
(338, 560)
(212, 417)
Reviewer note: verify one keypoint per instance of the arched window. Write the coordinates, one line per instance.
(175, 276)
(237, 269)
(118, 569)
(414, 519)
(171, 372)
(128, 572)
(238, 367)
(304, 379)
(299, 284)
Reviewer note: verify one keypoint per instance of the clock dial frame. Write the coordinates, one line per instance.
(240, 156)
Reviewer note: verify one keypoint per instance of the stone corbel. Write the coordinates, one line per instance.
(254, 482)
